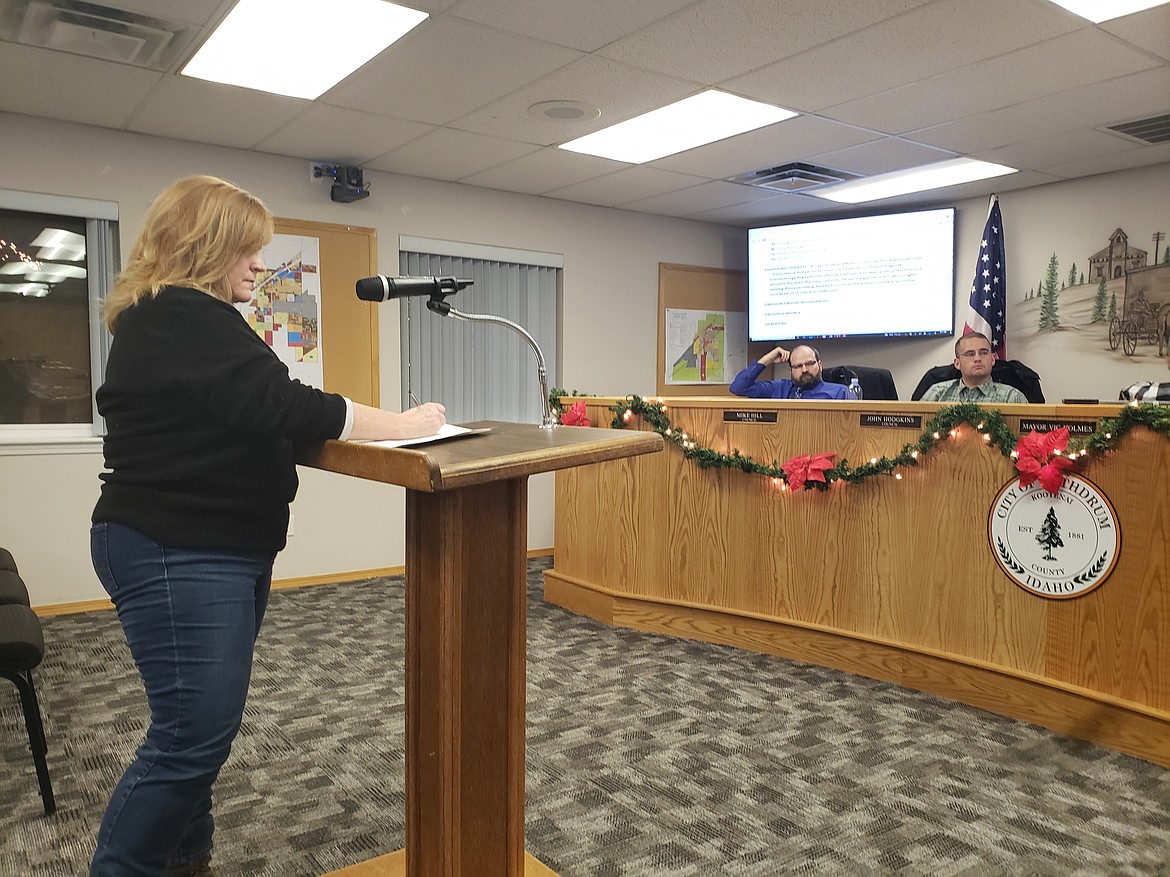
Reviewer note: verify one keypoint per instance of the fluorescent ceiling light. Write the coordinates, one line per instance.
(59, 244)
(294, 47)
(43, 272)
(704, 118)
(916, 179)
(1098, 11)
(36, 290)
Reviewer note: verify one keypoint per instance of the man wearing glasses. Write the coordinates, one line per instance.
(805, 364)
(973, 359)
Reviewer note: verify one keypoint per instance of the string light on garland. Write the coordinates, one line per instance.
(995, 433)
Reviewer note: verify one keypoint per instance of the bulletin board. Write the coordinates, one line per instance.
(691, 287)
(349, 336)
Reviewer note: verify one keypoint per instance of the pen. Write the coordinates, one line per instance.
(414, 399)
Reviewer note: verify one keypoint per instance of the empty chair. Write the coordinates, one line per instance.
(876, 383)
(1011, 372)
(22, 647)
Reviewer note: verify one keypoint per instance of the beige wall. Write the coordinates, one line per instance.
(609, 314)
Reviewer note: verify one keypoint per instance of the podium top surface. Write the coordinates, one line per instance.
(510, 450)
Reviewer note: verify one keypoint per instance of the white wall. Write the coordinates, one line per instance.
(610, 298)
(609, 313)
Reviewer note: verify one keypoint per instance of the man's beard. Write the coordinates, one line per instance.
(806, 380)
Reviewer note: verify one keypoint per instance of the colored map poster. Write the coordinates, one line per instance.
(705, 347)
(286, 308)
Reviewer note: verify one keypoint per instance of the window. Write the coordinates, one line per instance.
(481, 371)
(58, 257)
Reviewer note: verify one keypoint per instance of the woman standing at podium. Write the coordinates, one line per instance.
(203, 422)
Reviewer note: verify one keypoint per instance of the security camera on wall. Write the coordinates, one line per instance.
(348, 184)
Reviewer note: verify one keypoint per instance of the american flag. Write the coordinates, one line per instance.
(988, 302)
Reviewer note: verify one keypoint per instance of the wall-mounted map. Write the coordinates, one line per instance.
(704, 347)
(286, 308)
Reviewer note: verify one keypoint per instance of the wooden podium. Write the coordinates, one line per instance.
(466, 596)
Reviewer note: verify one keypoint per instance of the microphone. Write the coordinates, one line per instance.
(382, 288)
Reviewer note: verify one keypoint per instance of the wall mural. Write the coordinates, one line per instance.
(1113, 302)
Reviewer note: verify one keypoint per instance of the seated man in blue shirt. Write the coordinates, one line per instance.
(974, 359)
(805, 364)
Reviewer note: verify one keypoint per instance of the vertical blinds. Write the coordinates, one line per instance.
(480, 371)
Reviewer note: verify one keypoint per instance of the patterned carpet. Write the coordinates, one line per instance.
(646, 756)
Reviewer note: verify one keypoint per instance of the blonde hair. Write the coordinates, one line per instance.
(193, 233)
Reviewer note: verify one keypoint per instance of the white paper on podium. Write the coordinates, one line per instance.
(446, 431)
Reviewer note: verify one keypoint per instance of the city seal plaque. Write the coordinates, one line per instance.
(1058, 545)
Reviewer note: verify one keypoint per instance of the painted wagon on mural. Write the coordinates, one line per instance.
(1141, 320)
(1144, 290)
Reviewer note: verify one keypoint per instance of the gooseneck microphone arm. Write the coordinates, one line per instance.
(443, 309)
(381, 288)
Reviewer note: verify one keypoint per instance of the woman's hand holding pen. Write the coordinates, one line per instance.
(426, 417)
(372, 424)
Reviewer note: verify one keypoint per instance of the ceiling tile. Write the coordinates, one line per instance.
(431, 5)
(1059, 148)
(1049, 68)
(844, 69)
(1117, 161)
(208, 112)
(446, 68)
(626, 185)
(1097, 105)
(59, 85)
(1149, 30)
(340, 135)
(707, 196)
(715, 40)
(881, 156)
(618, 90)
(544, 171)
(767, 211)
(790, 140)
(448, 154)
(583, 26)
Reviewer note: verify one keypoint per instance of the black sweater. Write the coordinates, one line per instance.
(202, 426)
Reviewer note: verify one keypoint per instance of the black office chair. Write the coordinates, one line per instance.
(1011, 372)
(876, 383)
(22, 647)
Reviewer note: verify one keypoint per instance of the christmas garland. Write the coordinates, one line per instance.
(819, 471)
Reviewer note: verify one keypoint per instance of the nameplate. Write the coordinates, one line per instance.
(1075, 427)
(749, 416)
(892, 421)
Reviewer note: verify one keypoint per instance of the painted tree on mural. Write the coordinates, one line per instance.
(1072, 275)
(1049, 319)
(1112, 315)
(1100, 303)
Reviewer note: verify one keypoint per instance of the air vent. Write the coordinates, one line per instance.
(95, 31)
(793, 177)
(1155, 129)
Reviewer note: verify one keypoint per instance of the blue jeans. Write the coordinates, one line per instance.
(191, 618)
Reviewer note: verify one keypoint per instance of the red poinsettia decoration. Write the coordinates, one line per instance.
(808, 467)
(574, 415)
(1038, 457)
